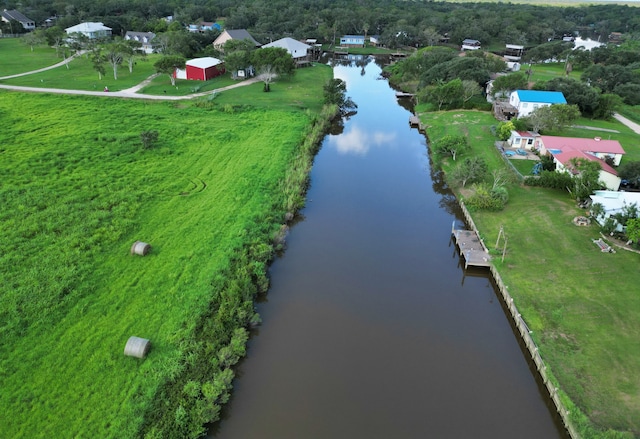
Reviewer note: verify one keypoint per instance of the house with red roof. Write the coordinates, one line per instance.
(563, 149)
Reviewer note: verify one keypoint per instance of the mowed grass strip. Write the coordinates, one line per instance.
(79, 74)
(581, 304)
(78, 190)
(17, 57)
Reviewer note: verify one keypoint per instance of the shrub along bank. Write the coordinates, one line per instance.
(581, 304)
(210, 195)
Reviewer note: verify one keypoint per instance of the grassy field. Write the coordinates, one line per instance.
(17, 57)
(548, 71)
(581, 304)
(80, 75)
(161, 85)
(77, 190)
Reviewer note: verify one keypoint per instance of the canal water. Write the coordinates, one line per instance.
(371, 327)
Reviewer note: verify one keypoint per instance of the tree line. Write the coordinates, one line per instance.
(398, 23)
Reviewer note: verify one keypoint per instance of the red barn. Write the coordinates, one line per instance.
(201, 69)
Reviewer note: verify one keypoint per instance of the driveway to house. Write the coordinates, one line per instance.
(631, 124)
(127, 93)
(60, 64)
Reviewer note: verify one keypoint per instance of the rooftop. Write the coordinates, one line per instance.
(552, 97)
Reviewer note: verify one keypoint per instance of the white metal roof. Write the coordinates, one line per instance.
(87, 27)
(295, 48)
(203, 63)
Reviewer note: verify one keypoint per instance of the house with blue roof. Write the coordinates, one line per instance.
(526, 101)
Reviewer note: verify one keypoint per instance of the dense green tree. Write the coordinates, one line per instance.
(169, 64)
(470, 170)
(463, 68)
(237, 55)
(451, 145)
(608, 77)
(553, 117)
(553, 50)
(585, 178)
(630, 171)
(470, 89)
(277, 57)
(576, 92)
(98, 61)
(504, 129)
(446, 95)
(633, 230)
(502, 85)
(630, 93)
(608, 104)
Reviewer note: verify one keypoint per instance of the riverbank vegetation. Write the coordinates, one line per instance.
(580, 303)
(211, 195)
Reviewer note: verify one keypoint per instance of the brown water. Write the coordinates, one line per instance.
(372, 328)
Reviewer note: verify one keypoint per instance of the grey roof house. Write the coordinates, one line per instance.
(144, 38)
(26, 23)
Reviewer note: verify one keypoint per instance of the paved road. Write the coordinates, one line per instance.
(60, 64)
(127, 93)
(631, 124)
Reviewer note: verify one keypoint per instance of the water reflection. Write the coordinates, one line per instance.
(372, 329)
(357, 140)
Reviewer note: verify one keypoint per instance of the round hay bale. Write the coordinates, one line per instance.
(137, 347)
(140, 248)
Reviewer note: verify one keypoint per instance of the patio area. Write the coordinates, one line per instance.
(516, 153)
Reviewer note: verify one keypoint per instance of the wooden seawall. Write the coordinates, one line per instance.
(520, 325)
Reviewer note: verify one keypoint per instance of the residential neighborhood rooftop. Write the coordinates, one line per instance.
(593, 145)
(552, 97)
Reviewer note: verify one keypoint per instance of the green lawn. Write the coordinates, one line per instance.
(17, 57)
(80, 75)
(581, 304)
(161, 85)
(547, 71)
(77, 190)
(523, 166)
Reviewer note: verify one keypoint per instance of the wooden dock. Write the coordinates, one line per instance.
(414, 122)
(471, 248)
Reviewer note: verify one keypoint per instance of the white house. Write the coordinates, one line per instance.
(513, 52)
(563, 149)
(614, 202)
(526, 101)
(524, 140)
(352, 40)
(298, 51)
(469, 44)
(90, 29)
(144, 38)
(26, 23)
